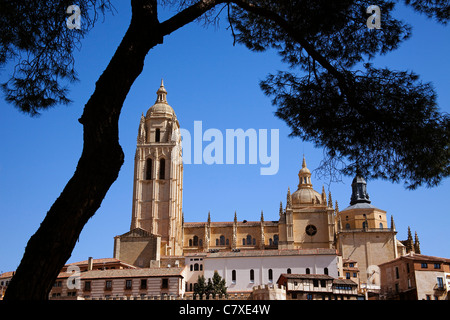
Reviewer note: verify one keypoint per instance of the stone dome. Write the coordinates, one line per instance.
(305, 194)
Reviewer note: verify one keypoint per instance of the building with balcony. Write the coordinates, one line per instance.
(415, 277)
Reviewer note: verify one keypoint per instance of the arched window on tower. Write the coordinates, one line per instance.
(157, 135)
(249, 239)
(195, 242)
(222, 240)
(162, 169)
(148, 169)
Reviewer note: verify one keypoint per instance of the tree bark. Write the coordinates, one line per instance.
(102, 157)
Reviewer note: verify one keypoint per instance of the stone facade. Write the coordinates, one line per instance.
(307, 220)
(317, 287)
(158, 176)
(415, 277)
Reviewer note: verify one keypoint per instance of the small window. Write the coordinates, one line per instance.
(195, 242)
(249, 239)
(288, 271)
(440, 282)
(424, 265)
(347, 226)
(87, 286)
(162, 169)
(252, 275)
(233, 276)
(437, 265)
(165, 283)
(308, 271)
(143, 283)
(397, 275)
(222, 240)
(108, 285)
(128, 284)
(157, 135)
(381, 225)
(148, 170)
(323, 283)
(270, 275)
(325, 271)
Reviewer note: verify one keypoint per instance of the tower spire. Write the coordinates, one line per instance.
(304, 176)
(161, 93)
(359, 191)
(324, 195)
(281, 208)
(392, 223)
(330, 200)
(416, 243)
(288, 199)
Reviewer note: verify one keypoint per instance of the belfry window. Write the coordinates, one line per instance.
(157, 135)
(148, 170)
(162, 169)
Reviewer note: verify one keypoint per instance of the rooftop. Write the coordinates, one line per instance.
(268, 253)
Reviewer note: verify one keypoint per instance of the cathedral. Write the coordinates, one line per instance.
(307, 220)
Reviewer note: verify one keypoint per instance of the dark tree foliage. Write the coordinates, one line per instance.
(213, 287)
(382, 123)
(34, 36)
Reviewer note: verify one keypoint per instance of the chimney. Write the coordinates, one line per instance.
(90, 264)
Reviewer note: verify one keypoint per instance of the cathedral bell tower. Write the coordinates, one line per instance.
(158, 176)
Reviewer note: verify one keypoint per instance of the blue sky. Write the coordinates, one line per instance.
(209, 80)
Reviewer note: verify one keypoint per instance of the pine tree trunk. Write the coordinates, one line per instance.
(51, 246)
(102, 157)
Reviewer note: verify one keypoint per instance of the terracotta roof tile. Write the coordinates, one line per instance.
(265, 253)
(132, 273)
